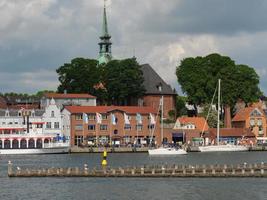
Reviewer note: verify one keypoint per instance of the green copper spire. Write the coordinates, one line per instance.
(105, 43)
(105, 23)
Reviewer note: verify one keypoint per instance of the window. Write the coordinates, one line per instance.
(91, 127)
(151, 126)
(103, 127)
(19, 113)
(39, 126)
(139, 127)
(3, 123)
(127, 127)
(48, 125)
(259, 122)
(78, 127)
(79, 117)
(56, 125)
(78, 140)
(52, 113)
(252, 122)
(91, 116)
(7, 113)
(16, 123)
(104, 116)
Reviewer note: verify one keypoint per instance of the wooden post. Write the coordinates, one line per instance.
(163, 170)
(142, 170)
(10, 168)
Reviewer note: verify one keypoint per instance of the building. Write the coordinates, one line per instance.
(120, 125)
(64, 99)
(231, 136)
(156, 88)
(252, 118)
(30, 128)
(191, 129)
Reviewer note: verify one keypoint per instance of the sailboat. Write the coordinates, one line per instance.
(165, 151)
(221, 147)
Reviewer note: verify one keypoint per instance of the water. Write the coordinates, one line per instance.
(131, 188)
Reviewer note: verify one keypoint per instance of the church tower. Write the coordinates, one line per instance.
(105, 43)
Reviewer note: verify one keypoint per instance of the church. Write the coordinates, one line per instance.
(156, 88)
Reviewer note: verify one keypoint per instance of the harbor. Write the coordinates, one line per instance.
(138, 187)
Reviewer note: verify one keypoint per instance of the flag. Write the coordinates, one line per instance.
(113, 119)
(85, 118)
(126, 119)
(98, 118)
(152, 119)
(138, 118)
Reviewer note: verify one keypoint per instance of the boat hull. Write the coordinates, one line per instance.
(223, 148)
(166, 152)
(34, 151)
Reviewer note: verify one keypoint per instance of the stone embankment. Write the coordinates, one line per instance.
(244, 170)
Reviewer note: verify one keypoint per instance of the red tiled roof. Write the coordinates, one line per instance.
(199, 122)
(244, 113)
(232, 132)
(68, 96)
(106, 109)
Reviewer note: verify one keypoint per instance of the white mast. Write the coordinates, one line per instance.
(161, 120)
(218, 120)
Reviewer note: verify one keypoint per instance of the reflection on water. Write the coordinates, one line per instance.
(132, 188)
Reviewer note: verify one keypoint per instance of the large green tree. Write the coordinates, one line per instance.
(198, 78)
(117, 82)
(79, 76)
(123, 81)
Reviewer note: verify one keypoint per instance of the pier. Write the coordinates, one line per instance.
(157, 171)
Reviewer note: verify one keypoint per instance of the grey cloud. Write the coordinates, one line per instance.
(209, 16)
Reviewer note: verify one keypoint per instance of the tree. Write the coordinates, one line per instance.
(117, 82)
(79, 76)
(212, 118)
(198, 78)
(180, 106)
(123, 80)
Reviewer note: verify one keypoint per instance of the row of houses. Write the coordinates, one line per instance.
(82, 122)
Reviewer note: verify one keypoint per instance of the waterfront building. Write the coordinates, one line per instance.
(155, 88)
(190, 129)
(252, 118)
(232, 136)
(116, 125)
(63, 99)
(30, 128)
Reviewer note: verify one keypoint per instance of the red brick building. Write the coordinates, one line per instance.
(112, 125)
(156, 87)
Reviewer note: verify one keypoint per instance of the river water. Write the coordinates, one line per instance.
(131, 188)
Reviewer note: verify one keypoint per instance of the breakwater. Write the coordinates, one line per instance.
(240, 170)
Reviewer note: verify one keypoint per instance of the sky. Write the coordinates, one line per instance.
(38, 36)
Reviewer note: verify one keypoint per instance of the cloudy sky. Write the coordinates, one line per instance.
(38, 36)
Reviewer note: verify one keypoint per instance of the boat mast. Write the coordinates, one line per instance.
(218, 114)
(161, 131)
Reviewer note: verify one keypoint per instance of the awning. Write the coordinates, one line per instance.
(197, 139)
(38, 122)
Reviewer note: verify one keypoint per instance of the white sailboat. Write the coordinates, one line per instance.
(165, 151)
(221, 147)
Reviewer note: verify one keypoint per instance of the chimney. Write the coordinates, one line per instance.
(227, 117)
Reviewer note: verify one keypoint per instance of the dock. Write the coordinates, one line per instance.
(156, 171)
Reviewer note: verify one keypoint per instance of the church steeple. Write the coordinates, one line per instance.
(105, 44)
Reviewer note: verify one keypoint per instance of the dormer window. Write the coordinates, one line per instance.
(159, 87)
(33, 113)
(7, 113)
